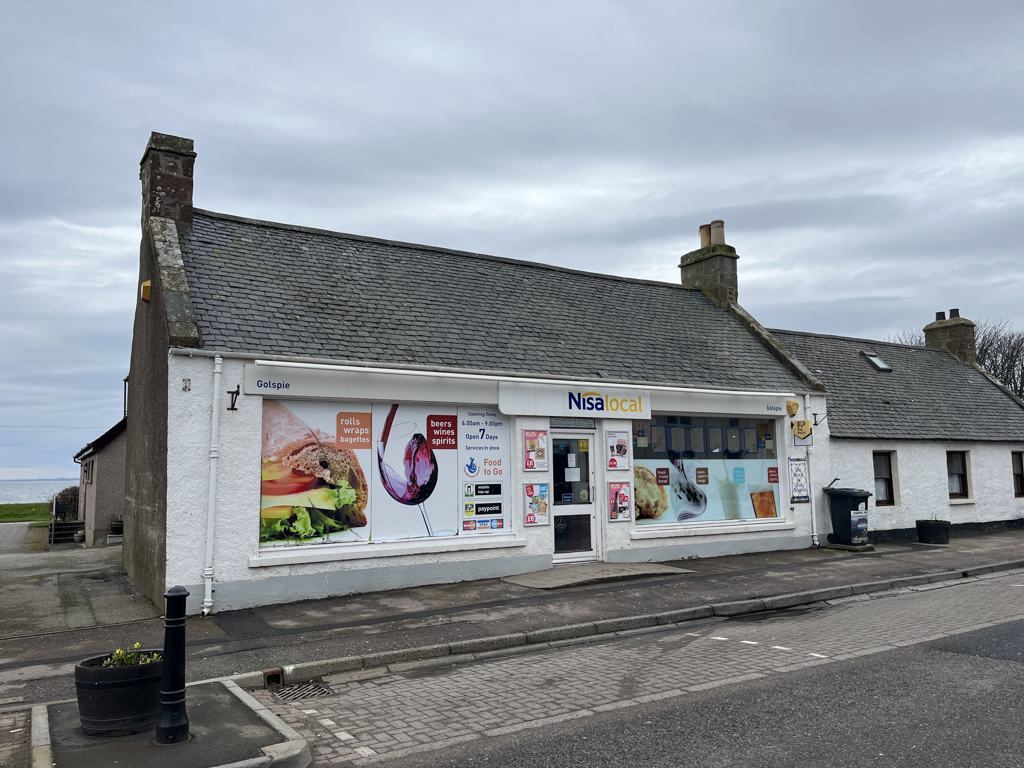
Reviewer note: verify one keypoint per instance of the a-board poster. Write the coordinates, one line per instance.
(535, 450)
(620, 505)
(537, 504)
(679, 491)
(347, 471)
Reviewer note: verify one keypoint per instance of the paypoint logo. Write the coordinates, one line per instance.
(600, 401)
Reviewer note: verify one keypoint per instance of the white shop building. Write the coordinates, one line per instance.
(312, 413)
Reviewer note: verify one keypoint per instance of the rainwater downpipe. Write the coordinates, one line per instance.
(810, 481)
(211, 499)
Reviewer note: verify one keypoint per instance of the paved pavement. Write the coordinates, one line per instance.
(41, 643)
(14, 740)
(12, 537)
(429, 708)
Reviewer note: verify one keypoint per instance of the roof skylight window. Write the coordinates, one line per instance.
(877, 362)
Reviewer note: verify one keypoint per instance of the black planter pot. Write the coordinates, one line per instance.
(114, 701)
(933, 531)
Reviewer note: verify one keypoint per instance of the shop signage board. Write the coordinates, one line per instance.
(537, 504)
(798, 483)
(535, 450)
(620, 506)
(344, 471)
(618, 449)
(528, 399)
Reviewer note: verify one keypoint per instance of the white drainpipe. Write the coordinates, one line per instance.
(211, 499)
(810, 481)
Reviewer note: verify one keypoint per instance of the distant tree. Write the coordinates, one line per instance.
(1000, 350)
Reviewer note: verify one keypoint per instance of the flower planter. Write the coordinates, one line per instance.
(114, 701)
(933, 531)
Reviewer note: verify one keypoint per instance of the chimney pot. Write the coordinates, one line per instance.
(940, 315)
(717, 232)
(956, 338)
(954, 313)
(705, 235)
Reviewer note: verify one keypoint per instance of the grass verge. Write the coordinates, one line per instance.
(30, 513)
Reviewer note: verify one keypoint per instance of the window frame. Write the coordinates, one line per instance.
(1017, 469)
(891, 459)
(965, 475)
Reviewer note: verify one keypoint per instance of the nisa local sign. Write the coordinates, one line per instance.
(594, 401)
(534, 399)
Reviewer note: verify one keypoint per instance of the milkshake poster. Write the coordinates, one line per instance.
(696, 490)
(620, 506)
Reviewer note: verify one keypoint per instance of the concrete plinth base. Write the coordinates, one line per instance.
(228, 727)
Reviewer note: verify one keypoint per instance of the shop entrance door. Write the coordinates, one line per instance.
(574, 505)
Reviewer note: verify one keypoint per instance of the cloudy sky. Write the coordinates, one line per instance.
(867, 157)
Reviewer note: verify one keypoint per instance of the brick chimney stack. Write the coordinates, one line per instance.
(712, 267)
(166, 175)
(954, 335)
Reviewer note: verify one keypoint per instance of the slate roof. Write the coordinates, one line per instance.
(284, 291)
(928, 395)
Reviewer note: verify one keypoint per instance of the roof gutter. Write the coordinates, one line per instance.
(459, 373)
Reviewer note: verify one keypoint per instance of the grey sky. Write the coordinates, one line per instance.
(867, 157)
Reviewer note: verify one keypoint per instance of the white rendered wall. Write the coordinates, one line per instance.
(920, 481)
(246, 576)
(238, 503)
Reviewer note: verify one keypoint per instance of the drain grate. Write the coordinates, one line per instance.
(302, 691)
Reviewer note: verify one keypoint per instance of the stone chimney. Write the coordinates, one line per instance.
(166, 175)
(954, 335)
(712, 267)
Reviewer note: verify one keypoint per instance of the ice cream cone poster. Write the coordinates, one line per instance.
(620, 505)
(535, 450)
(315, 478)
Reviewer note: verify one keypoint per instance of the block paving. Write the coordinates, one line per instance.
(434, 706)
(15, 736)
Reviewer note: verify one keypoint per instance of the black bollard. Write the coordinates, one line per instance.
(172, 719)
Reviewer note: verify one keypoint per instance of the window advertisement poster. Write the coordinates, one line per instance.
(535, 450)
(620, 506)
(618, 449)
(677, 491)
(485, 470)
(345, 472)
(537, 504)
(315, 472)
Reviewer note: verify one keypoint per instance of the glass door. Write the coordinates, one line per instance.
(573, 504)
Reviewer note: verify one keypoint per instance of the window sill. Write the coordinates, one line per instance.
(325, 553)
(960, 502)
(709, 529)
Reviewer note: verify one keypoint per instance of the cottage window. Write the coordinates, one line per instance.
(956, 471)
(885, 492)
(1018, 474)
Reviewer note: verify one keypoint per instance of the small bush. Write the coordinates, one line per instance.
(67, 503)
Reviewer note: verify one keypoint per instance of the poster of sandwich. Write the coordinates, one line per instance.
(694, 490)
(315, 470)
(338, 472)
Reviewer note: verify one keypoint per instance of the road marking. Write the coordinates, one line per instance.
(693, 634)
(750, 642)
(781, 648)
(719, 638)
(818, 655)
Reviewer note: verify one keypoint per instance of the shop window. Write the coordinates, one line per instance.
(957, 472)
(1018, 473)
(885, 487)
(727, 470)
